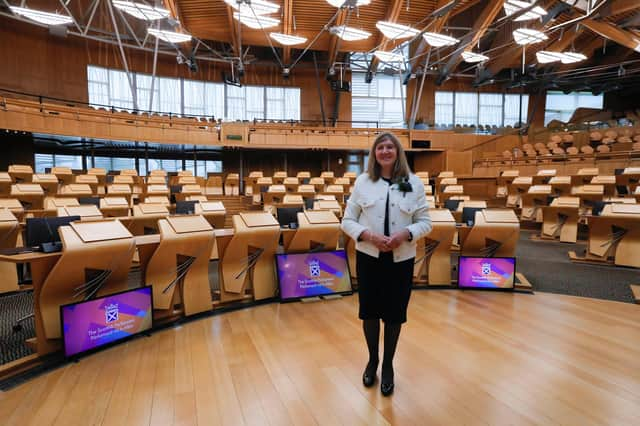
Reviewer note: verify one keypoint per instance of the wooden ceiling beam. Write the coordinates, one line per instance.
(436, 26)
(392, 16)
(172, 6)
(333, 41)
(287, 28)
(235, 36)
(482, 23)
(617, 7)
(620, 36)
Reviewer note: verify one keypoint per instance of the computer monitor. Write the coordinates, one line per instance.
(451, 204)
(186, 207)
(486, 273)
(89, 201)
(288, 216)
(469, 215)
(308, 202)
(42, 232)
(93, 324)
(315, 274)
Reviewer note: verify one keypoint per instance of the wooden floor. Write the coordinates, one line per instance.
(463, 358)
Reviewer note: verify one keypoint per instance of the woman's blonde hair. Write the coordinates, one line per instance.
(400, 168)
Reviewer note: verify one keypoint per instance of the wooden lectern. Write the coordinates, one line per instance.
(292, 200)
(151, 190)
(30, 194)
(232, 184)
(449, 192)
(114, 207)
(48, 182)
(344, 182)
(188, 190)
(181, 261)
(20, 173)
(330, 205)
(608, 182)
(145, 218)
(337, 191)
(120, 190)
(156, 179)
(261, 185)
(291, 184)
(279, 177)
(535, 198)
(76, 190)
(9, 230)
(306, 191)
(495, 233)
(352, 176)
(52, 204)
(247, 259)
(274, 194)
(5, 184)
(213, 186)
(14, 206)
(433, 259)
(615, 234)
(327, 175)
(91, 180)
(86, 212)
(123, 179)
(101, 174)
(543, 176)
(629, 179)
(518, 186)
(588, 194)
(213, 211)
(95, 261)
(584, 176)
(318, 183)
(63, 174)
(317, 230)
(561, 185)
(158, 172)
(250, 181)
(560, 219)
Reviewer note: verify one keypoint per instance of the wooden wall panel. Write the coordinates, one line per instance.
(460, 163)
(428, 161)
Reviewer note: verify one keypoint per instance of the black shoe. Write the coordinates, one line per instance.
(369, 375)
(386, 384)
(368, 379)
(386, 388)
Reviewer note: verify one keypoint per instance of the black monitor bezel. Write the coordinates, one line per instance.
(509, 289)
(110, 344)
(297, 210)
(72, 218)
(294, 299)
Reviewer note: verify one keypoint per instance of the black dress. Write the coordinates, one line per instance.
(384, 286)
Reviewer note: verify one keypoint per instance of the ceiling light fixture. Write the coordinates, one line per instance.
(349, 3)
(169, 36)
(141, 10)
(525, 36)
(388, 56)
(546, 57)
(439, 40)
(473, 58)
(286, 39)
(349, 33)
(514, 6)
(394, 31)
(256, 22)
(259, 7)
(42, 17)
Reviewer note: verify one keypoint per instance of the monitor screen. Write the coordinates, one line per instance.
(45, 229)
(109, 319)
(313, 274)
(288, 215)
(469, 215)
(496, 273)
(185, 207)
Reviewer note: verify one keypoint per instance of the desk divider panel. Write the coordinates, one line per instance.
(433, 252)
(9, 230)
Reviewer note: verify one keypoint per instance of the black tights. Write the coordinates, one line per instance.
(372, 335)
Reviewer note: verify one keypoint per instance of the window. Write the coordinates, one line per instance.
(381, 101)
(444, 108)
(490, 109)
(561, 107)
(470, 109)
(512, 110)
(114, 163)
(466, 109)
(47, 161)
(203, 167)
(177, 96)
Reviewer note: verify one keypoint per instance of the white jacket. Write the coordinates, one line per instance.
(366, 209)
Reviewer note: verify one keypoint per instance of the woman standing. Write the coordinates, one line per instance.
(386, 214)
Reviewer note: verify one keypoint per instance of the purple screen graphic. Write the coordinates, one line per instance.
(95, 323)
(313, 274)
(486, 272)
